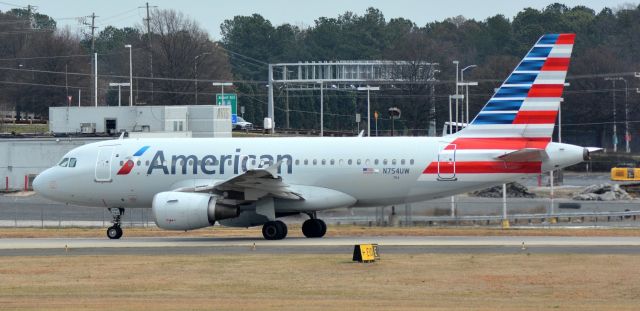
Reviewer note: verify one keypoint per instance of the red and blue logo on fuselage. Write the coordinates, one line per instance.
(129, 164)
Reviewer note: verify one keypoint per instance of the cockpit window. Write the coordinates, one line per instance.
(72, 162)
(64, 162)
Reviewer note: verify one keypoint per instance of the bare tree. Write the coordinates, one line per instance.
(179, 43)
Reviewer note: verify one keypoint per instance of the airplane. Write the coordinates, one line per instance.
(191, 183)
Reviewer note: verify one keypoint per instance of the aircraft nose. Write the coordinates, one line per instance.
(40, 182)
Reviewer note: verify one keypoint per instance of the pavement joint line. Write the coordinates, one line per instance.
(430, 241)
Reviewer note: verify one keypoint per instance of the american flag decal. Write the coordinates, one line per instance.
(369, 170)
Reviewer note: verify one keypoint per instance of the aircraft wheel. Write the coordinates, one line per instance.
(114, 232)
(314, 228)
(274, 230)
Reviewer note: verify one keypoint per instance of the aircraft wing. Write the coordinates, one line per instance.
(525, 155)
(257, 183)
(253, 184)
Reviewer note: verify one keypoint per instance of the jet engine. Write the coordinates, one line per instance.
(188, 211)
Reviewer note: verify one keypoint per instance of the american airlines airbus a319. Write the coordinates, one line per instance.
(191, 183)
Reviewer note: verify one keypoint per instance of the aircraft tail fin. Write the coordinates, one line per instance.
(527, 102)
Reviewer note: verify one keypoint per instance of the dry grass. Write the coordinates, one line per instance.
(294, 231)
(321, 282)
(25, 128)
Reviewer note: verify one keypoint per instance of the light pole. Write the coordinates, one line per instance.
(457, 63)
(128, 46)
(222, 85)
(368, 89)
(615, 133)
(119, 85)
(195, 72)
(466, 85)
(321, 107)
(456, 97)
(627, 138)
(566, 84)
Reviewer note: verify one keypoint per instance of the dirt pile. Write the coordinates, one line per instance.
(514, 190)
(603, 192)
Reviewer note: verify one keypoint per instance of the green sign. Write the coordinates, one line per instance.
(229, 99)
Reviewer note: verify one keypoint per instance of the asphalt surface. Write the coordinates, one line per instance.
(331, 245)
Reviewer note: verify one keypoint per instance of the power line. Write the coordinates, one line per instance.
(117, 15)
(12, 4)
(244, 56)
(135, 77)
(44, 57)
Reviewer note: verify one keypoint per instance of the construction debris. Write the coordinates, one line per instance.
(603, 192)
(514, 190)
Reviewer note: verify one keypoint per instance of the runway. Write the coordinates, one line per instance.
(388, 244)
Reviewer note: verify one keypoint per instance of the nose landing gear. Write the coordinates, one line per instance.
(115, 232)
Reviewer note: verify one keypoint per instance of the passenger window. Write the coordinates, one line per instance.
(367, 162)
(350, 162)
(297, 162)
(315, 161)
(333, 161)
(324, 161)
(384, 162)
(358, 162)
(138, 164)
(64, 163)
(393, 162)
(306, 162)
(146, 163)
(72, 162)
(402, 162)
(375, 162)
(411, 162)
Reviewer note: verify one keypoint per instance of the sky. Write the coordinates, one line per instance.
(210, 14)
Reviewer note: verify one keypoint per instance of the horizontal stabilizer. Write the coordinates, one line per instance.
(525, 155)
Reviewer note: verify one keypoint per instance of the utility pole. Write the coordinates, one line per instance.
(432, 99)
(149, 44)
(93, 47)
(29, 8)
(287, 107)
(613, 95)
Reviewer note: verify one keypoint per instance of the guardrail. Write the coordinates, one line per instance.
(543, 218)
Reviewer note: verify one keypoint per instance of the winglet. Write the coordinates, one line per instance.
(273, 169)
(361, 134)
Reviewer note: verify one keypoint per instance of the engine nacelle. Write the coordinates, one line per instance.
(189, 211)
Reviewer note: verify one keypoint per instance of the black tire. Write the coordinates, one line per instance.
(283, 229)
(323, 231)
(314, 228)
(114, 232)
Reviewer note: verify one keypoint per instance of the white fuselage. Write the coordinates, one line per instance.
(374, 171)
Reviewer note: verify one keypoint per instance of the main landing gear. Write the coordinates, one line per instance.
(314, 227)
(115, 232)
(311, 228)
(274, 230)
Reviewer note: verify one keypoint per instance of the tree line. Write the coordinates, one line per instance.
(177, 52)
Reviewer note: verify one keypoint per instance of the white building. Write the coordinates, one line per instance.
(193, 121)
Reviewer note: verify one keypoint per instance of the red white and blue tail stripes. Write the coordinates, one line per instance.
(521, 114)
(526, 104)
